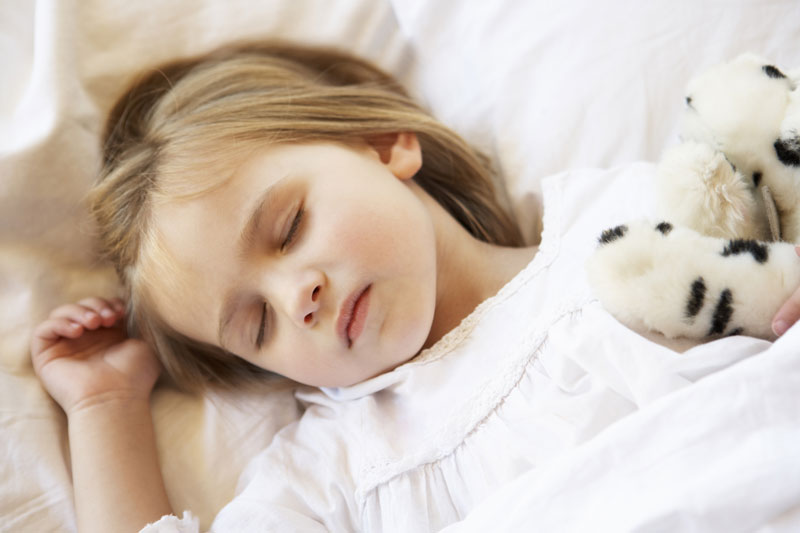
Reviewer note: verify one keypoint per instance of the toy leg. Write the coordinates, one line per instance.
(683, 284)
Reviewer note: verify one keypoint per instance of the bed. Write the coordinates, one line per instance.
(540, 87)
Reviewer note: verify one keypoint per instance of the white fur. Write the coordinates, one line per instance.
(697, 187)
(644, 279)
(738, 110)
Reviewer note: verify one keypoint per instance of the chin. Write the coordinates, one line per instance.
(414, 342)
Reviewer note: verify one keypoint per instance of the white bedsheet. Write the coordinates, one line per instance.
(540, 86)
(720, 455)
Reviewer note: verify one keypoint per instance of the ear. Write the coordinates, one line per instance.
(400, 152)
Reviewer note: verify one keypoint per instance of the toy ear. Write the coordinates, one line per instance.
(788, 146)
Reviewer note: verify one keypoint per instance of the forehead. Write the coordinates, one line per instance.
(255, 176)
(194, 249)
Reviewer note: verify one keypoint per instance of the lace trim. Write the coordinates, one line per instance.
(172, 524)
(545, 255)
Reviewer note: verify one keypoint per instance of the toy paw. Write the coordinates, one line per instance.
(675, 281)
(700, 189)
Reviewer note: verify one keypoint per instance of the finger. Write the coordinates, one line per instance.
(51, 330)
(787, 315)
(96, 303)
(87, 316)
(118, 304)
(104, 308)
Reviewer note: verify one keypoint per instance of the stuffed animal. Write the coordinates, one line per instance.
(728, 189)
(740, 155)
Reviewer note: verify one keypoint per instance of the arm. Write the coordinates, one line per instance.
(789, 312)
(118, 483)
(103, 381)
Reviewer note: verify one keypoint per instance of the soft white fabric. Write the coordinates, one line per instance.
(541, 86)
(187, 524)
(720, 455)
(530, 380)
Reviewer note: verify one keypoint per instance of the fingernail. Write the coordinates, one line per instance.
(779, 327)
(107, 313)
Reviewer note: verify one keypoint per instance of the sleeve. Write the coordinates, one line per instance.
(242, 515)
(299, 484)
(302, 482)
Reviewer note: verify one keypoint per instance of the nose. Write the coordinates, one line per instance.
(305, 297)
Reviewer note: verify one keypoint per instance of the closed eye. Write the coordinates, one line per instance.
(293, 229)
(262, 326)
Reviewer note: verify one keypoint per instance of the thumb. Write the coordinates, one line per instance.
(787, 315)
(789, 312)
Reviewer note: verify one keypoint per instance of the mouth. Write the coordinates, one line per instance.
(353, 316)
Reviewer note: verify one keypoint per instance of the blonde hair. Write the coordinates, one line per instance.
(172, 133)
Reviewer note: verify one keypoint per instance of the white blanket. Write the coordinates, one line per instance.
(720, 455)
(539, 86)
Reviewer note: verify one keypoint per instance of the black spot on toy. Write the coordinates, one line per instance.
(722, 313)
(772, 71)
(788, 151)
(612, 234)
(697, 297)
(757, 178)
(759, 251)
(664, 227)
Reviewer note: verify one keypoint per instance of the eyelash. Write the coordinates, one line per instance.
(290, 237)
(262, 326)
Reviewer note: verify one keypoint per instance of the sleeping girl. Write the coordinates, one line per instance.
(281, 212)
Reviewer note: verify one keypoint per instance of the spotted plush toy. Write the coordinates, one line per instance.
(731, 192)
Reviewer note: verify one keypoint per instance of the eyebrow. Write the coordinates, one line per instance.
(247, 236)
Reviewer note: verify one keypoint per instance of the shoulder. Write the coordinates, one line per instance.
(591, 197)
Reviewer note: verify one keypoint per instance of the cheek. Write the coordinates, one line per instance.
(295, 356)
(399, 238)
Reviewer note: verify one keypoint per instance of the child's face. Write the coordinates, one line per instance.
(335, 276)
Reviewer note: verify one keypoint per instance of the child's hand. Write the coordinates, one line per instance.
(83, 356)
(789, 312)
